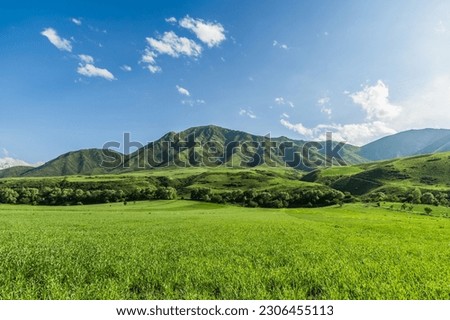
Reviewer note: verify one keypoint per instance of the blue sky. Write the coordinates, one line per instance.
(76, 76)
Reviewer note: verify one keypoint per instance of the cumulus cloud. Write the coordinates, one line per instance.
(374, 101)
(381, 118)
(89, 70)
(210, 33)
(168, 44)
(174, 46)
(126, 68)
(183, 91)
(282, 101)
(356, 133)
(76, 21)
(248, 113)
(60, 43)
(86, 58)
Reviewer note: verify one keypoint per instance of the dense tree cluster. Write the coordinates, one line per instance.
(414, 196)
(69, 196)
(310, 197)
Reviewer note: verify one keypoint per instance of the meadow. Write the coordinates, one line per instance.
(196, 250)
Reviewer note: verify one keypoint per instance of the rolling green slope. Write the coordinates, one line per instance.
(429, 172)
(82, 162)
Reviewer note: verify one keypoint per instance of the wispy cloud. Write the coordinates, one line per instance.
(76, 21)
(89, 70)
(324, 104)
(191, 102)
(282, 101)
(183, 91)
(126, 68)
(275, 43)
(60, 43)
(210, 33)
(171, 20)
(285, 115)
(86, 58)
(248, 113)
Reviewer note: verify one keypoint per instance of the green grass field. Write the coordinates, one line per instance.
(191, 250)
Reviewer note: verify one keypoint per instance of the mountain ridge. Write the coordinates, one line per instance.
(237, 148)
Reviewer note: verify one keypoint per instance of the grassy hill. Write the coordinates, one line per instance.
(428, 172)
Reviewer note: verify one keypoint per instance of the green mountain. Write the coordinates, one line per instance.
(213, 146)
(82, 162)
(14, 171)
(427, 172)
(407, 143)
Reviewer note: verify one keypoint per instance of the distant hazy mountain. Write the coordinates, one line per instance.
(8, 162)
(408, 143)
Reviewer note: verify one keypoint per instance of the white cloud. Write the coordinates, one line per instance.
(149, 56)
(86, 58)
(154, 69)
(193, 102)
(374, 101)
(323, 101)
(169, 44)
(428, 107)
(298, 127)
(248, 113)
(356, 133)
(183, 91)
(61, 43)
(89, 70)
(381, 118)
(285, 115)
(76, 21)
(171, 20)
(282, 101)
(275, 43)
(174, 46)
(326, 111)
(126, 68)
(210, 33)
